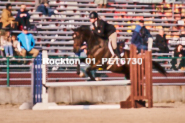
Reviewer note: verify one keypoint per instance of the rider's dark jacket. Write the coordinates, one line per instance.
(105, 29)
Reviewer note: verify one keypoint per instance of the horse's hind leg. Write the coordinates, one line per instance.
(88, 71)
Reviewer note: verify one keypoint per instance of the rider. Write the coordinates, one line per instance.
(104, 30)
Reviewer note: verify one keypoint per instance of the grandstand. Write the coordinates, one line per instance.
(54, 34)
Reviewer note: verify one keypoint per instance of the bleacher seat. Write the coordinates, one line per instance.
(73, 13)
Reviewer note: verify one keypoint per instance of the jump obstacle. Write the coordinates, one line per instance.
(140, 79)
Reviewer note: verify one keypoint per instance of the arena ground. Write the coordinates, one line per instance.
(161, 113)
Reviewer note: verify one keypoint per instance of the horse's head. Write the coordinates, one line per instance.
(79, 36)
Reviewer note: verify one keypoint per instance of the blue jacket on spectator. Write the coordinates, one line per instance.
(27, 41)
(45, 10)
(19, 12)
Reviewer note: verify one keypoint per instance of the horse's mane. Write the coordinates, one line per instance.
(83, 28)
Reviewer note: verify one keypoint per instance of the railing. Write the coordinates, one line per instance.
(7, 64)
(13, 73)
(13, 69)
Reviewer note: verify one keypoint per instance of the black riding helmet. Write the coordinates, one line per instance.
(93, 15)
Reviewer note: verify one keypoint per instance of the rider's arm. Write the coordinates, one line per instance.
(99, 30)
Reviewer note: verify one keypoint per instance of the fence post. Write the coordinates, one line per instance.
(8, 77)
(37, 79)
(44, 93)
(32, 82)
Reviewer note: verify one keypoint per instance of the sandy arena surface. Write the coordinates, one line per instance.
(161, 113)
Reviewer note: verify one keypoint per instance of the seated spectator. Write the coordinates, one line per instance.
(161, 42)
(6, 16)
(178, 63)
(16, 46)
(7, 44)
(23, 16)
(27, 43)
(1, 46)
(101, 3)
(45, 9)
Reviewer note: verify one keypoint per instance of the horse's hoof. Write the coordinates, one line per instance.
(82, 74)
(98, 79)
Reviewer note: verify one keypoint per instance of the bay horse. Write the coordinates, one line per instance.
(98, 48)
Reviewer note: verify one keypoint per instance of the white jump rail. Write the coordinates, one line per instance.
(93, 83)
(86, 107)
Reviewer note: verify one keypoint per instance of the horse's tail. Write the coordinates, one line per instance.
(159, 68)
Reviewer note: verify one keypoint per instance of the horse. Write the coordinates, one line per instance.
(97, 48)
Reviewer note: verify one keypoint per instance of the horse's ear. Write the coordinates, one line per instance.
(74, 30)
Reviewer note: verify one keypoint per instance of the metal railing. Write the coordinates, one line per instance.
(14, 66)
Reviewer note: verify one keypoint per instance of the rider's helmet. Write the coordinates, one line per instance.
(93, 15)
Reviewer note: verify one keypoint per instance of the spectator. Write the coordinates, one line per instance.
(101, 3)
(45, 9)
(6, 16)
(161, 42)
(27, 43)
(6, 43)
(1, 46)
(140, 36)
(179, 62)
(16, 46)
(23, 16)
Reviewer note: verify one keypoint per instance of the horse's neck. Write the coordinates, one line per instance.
(95, 44)
(91, 40)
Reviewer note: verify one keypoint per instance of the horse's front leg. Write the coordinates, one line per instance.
(78, 69)
(89, 69)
